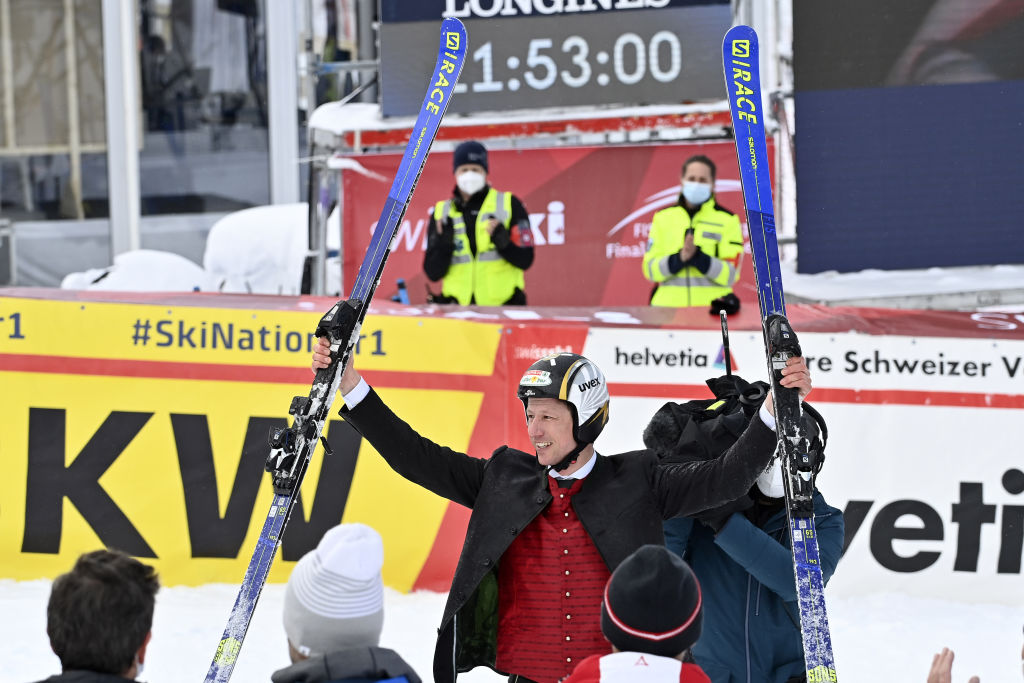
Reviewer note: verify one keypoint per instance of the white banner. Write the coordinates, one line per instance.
(924, 454)
(843, 360)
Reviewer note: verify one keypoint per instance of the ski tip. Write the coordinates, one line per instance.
(451, 56)
(453, 35)
(741, 30)
(452, 24)
(738, 33)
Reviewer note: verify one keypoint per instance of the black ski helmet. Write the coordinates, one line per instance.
(576, 380)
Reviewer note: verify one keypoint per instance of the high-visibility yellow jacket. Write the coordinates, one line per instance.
(716, 233)
(486, 279)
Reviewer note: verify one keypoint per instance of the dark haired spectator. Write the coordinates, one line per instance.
(694, 248)
(652, 615)
(99, 618)
(334, 613)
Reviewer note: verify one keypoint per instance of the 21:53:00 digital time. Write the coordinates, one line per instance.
(632, 58)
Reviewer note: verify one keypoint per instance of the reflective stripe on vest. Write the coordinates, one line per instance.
(699, 291)
(693, 283)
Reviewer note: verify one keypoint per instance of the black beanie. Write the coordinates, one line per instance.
(470, 152)
(652, 604)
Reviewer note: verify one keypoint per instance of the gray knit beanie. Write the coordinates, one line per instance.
(335, 596)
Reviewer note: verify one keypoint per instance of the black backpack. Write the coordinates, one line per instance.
(703, 429)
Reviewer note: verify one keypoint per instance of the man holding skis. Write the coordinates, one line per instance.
(549, 527)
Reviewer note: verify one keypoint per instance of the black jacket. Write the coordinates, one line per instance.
(75, 676)
(622, 505)
(354, 665)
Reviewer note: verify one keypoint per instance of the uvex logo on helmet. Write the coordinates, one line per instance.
(589, 385)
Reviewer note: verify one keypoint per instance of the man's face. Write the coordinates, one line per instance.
(549, 424)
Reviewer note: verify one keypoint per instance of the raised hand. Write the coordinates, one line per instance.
(795, 375)
(942, 668)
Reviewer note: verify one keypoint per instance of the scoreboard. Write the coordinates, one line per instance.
(529, 54)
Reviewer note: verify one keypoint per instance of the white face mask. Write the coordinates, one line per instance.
(770, 482)
(696, 193)
(471, 182)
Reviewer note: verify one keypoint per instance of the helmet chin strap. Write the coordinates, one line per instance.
(570, 458)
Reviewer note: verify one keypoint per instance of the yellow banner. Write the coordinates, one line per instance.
(172, 469)
(139, 332)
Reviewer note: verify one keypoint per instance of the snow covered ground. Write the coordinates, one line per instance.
(876, 638)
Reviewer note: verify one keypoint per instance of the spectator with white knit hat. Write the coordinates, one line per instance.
(334, 613)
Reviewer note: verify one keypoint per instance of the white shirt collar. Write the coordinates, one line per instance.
(578, 474)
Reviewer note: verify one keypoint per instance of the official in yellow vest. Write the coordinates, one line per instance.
(479, 240)
(694, 249)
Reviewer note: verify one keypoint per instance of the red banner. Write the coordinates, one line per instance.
(590, 211)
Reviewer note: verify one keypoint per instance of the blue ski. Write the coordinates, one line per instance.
(292, 447)
(743, 83)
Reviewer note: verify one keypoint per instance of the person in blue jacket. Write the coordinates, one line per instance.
(741, 554)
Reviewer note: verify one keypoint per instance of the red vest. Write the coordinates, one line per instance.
(550, 584)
